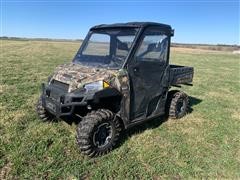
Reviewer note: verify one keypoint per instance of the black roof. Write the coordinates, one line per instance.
(131, 24)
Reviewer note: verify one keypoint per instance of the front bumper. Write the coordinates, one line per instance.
(59, 108)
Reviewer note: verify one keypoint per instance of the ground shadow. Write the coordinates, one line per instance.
(154, 123)
(193, 101)
(71, 120)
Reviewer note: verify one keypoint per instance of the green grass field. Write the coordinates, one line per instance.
(204, 144)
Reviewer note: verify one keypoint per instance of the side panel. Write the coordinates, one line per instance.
(122, 84)
(147, 87)
(181, 74)
(148, 72)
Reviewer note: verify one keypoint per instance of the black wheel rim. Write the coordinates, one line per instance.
(181, 106)
(103, 135)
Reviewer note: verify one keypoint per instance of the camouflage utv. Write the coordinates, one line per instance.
(120, 77)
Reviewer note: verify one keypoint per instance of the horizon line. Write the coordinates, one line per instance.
(71, 39)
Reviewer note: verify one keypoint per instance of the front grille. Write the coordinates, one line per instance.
(55, 96)
(60, 85)
(57, 89)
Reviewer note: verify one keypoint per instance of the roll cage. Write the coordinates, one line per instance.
(141, 26)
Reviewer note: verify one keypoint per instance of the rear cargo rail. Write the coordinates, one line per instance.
(181, 75)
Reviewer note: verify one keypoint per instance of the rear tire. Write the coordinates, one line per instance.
(98, 132)
(42, 112)
(179, 105)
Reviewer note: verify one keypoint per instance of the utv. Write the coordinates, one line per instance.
(120, 77)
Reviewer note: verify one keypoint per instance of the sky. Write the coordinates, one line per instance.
(200, 21)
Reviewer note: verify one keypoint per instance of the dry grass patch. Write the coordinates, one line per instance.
(5, 171)
(196, 51)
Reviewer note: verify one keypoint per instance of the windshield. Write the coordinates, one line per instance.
(106, 48)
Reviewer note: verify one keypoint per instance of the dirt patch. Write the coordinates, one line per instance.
(236, 52)
(236, 115)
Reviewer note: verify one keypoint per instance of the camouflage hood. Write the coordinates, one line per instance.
(76, 75)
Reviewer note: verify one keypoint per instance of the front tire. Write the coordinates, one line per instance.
(42, 112)
(98, 133)
(179, 105)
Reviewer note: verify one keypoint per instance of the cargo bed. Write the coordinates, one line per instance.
(181, 74)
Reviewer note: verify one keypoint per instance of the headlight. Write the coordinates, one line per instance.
(96, 86)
